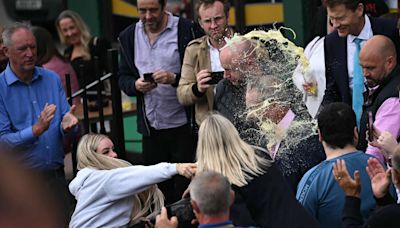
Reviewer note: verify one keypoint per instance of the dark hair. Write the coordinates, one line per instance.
(336, 124)
(45, 45)
(350, 4)
(161, 2)
(210, 2)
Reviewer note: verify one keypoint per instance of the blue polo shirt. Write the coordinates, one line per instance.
(20, 107)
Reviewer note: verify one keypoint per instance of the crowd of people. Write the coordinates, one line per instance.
(200, 141)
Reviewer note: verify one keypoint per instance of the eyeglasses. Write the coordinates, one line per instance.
(216, 20)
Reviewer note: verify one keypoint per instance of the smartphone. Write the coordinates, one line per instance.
(148, 77)
(370, 127)
(215, 77)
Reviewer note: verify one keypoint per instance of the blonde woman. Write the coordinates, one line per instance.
(262, 197)
(111, 192)
(81, 45)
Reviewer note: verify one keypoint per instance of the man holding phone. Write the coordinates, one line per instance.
(202, 58)
(151, 57)
(378, 60)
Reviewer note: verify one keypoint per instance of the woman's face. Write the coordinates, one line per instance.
(106, 147)
(70, 31)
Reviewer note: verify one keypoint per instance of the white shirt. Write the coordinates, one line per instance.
(365, 35)
(214, 58)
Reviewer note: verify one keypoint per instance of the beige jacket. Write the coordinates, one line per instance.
(197, 58)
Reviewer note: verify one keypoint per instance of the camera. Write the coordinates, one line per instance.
(215, 77)
(182, 209)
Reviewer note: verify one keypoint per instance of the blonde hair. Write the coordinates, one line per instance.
(79, 23)
(147, 203)
(220, 149)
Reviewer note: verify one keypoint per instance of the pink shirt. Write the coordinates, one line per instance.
(62, 67)
(387, 118)
(284, 125)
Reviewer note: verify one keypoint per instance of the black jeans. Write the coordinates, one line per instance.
(174, 145)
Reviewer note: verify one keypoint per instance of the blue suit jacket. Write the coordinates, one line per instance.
(337, 77)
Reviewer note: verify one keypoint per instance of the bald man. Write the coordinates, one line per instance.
(378, 61)
(238, 62)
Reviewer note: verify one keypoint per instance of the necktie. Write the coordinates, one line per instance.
(358, 84)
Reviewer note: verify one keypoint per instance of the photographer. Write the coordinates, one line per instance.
(211, 197)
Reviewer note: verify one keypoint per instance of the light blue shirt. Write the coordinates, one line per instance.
(163, 109)
(323, 198)
(20, 108)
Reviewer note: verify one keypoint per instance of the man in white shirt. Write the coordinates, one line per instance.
(202, 57)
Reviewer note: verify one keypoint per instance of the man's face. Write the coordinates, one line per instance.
(213, 20)
(346, 21)
(70, 31)
(375, 68)
(151, 14)
(22, 51)
(233, 71)
(3, 56)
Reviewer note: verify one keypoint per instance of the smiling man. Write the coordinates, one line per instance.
(154, 47)
(344, 81)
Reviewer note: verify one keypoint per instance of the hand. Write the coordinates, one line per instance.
(164, 77)
(350, 187)
(143, 86)
(186, 169)
(45, 118)
(202, 77)
(380, 179)
(387, 143)
(186, 193)
(69, 120)
(162, 220)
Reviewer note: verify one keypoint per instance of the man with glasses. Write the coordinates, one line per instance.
(202, 57)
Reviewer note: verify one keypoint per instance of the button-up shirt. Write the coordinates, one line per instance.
(365, 35)
(162, 107)
(20, 107)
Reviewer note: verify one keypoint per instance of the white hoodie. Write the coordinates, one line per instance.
(105, 196)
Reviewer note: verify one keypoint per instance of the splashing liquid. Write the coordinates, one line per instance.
(269, 83)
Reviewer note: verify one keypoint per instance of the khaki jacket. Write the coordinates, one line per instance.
(197, 58)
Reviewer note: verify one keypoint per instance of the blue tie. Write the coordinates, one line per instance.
(358, 84)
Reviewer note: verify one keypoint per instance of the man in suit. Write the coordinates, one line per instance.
(351, 24)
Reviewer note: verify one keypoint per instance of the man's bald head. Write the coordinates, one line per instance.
(377, 58)
(381, 46)
(236, 58)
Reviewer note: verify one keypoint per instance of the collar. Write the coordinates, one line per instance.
(229, 222)
(210, 46)
(12, 78)
(283, 126)
(365, 34)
